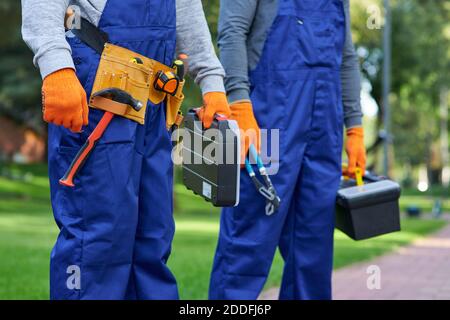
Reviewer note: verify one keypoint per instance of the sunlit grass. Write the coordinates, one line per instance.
(28, 232)
(424, 202)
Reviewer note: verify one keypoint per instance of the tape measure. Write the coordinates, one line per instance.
(169, 81)
(136, 60)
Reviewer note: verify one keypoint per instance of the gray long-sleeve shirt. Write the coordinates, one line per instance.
(243, 29)
(43, 30)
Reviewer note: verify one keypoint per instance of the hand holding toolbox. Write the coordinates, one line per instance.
(367, 206)
(125, 81)
(215, 178)
(218, 180)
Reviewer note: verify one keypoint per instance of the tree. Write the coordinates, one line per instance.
(19, 79)
(420, 68)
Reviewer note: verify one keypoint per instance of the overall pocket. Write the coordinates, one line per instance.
(316, 38)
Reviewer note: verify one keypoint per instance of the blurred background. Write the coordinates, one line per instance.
(405, 100)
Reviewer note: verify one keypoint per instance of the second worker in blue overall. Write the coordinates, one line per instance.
(291, 66)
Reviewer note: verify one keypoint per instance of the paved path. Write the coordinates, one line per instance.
(419, 271)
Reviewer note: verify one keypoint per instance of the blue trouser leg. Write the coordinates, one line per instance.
(307, 239)
(156, 227)
(307, 182)
(247, 243)
(97, 218)
(116, 224)
(248, 238)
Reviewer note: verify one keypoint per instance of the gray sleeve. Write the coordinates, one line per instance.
(43, 31)
(194, 39)
(350, 78)
(235, 22)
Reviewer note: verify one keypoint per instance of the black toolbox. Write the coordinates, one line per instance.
(211, 160)
(369, 210)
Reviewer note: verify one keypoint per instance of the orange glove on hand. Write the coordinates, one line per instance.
(213, 102)
(355, 149)
(242, 112)
(64, 100)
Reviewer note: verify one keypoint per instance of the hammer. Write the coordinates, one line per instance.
(115, 95)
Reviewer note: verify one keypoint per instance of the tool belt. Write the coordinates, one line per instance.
(136, 74)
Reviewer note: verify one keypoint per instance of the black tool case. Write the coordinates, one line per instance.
(370, 210)
(214, 175)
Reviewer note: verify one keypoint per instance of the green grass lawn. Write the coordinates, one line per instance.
(27, 233)
(425, 200)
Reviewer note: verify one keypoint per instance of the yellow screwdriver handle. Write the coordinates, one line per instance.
(359, 177)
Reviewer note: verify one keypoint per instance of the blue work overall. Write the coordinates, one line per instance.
(116, 225)
(295, 89)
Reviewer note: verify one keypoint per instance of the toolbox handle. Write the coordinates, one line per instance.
(358, 175)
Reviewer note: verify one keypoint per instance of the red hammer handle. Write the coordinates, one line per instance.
(86, 150)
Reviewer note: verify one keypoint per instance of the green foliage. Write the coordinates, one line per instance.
(19, 79)
(420, 69)
(211, 8)
(421, 64)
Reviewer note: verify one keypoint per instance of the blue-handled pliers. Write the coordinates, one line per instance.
(267, 191)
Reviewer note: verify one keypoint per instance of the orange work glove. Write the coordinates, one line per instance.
(213, 102)
(355, 149)
(242, 112)
(64, 100)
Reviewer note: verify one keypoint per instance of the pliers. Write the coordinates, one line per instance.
(267, 191)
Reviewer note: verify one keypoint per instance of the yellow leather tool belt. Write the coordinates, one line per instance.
(136, 74)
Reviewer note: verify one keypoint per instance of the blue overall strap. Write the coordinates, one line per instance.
(91, 35)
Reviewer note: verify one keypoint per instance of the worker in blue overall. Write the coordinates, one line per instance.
(290, 66)
(116, 224)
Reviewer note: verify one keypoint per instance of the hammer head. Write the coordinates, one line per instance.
(120, 96)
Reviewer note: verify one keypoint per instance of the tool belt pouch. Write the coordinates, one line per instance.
(173, 106)
(124, 69)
